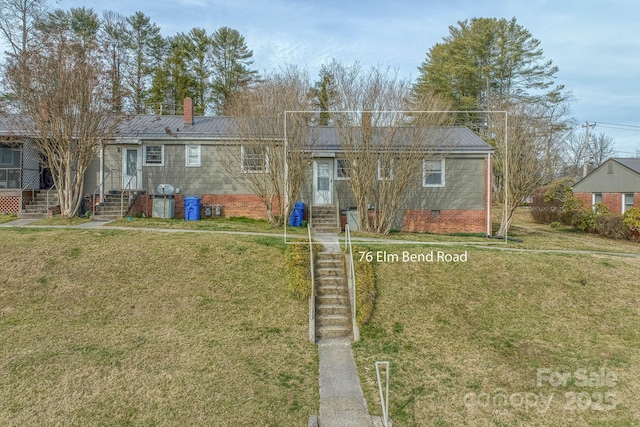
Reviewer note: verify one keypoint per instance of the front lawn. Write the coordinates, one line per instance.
(467, 340)
(110, 327)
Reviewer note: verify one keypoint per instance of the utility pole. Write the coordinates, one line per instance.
(585, 166)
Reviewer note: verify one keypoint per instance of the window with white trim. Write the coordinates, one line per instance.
(9, 167)
(193, 156)
(154, 155)
(385, 170)
(343, 169)
(596, 198)
(627, 201)
(433, 173)
(255, 159)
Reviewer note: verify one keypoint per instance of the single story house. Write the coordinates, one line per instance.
(615, 183)
(452, 194)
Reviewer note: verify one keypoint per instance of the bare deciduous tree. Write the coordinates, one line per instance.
(382, 140)
(601, 148)
(260, 119)
(17, 21)
(518, 167)
(64, 107)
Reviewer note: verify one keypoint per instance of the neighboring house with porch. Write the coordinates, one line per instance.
(615, 183)
(451, 194)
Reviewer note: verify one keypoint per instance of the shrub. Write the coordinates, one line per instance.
(612, 225)
(631, 219)
(575, 214)
(365, 290)
(298, 262)
(547, 202)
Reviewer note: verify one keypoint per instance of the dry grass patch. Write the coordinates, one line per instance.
(483, 328)
(107, 327)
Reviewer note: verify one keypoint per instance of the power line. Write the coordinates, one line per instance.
(619, 126)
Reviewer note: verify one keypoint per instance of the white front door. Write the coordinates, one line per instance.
(132, 168)
(322, 182)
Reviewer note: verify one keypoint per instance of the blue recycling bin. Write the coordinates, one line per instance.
(192, 208)
(297, 215)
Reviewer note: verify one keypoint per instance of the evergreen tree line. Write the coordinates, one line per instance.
(145, 72)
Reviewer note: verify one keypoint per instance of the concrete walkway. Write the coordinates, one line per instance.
(342, 403)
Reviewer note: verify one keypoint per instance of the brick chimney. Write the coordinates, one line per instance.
(188, 111)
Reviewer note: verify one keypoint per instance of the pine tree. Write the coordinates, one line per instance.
(231, 60)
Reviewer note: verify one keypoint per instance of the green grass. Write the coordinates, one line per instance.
(112, 327)
(484, 327)
(7, 217)
(210, 224)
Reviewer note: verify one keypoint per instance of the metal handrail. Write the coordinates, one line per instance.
(337, 199)
(312, 297)
(351, 279)
(124, 189)
(384, 398)
(48, 191)
(101, 185)
(28, 184)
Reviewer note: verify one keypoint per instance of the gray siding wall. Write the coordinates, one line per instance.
(92, 177)
(209, 178)
(464, 187)
(609, 178)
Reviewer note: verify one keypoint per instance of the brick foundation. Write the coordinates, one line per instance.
(232, 205)
(446, 222)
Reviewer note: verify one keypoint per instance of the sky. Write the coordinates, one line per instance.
(595, 44)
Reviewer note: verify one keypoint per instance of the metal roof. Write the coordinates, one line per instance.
(632, 163)
(327, 138)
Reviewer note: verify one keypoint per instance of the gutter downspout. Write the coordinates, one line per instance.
(488, 194)
(101, 171)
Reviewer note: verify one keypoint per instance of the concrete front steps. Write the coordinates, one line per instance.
(39, 206)
(110, 208)
(324, 219)
(333, 310)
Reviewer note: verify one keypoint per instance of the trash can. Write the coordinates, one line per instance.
(353, 219)
(192, 208)
(163, 206)
(297, 215)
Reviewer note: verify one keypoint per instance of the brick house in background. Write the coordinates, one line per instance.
(452, 193)
(615, 183)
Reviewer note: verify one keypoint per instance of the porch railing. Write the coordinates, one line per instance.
(351, 280)
(312, 296)
(127, 187)
(26, 186)
(101, 186)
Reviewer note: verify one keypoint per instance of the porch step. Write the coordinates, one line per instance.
(39, 206)
(114, 205)
(324, 218)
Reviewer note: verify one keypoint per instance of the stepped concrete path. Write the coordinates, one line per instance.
(342, 403)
